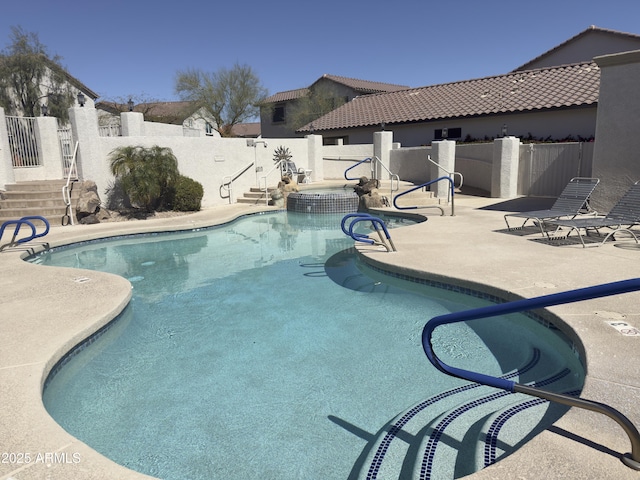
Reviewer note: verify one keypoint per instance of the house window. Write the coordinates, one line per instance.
(443, 133)
(335, 140)
(208, 129)
(278, 114)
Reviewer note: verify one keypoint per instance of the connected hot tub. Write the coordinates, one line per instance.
(335, 200)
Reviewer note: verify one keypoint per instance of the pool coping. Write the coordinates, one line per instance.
(33, 344)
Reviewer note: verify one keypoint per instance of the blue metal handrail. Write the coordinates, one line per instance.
(395, 204)
(27, 221)
(632, 459)
(377, 224)
(368, 159)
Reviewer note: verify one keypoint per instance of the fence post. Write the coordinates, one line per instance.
(6, 167)
(504, 170)
(49, 147)
(444, 154)
(132, 124)
(314, 149)
(84, 126)
(382, 145)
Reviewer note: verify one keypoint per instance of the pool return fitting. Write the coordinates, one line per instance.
(632, 459)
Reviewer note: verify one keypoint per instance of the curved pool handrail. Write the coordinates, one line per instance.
(346, 230)
(378, 225)
(26, 221)
(368, 159)
(632, 459)
(426, 184)
(30, 218)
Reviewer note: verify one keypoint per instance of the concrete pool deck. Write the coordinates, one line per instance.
(45, 311)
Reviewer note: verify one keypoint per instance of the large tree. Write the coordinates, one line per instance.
(227, 96)
(29, 78)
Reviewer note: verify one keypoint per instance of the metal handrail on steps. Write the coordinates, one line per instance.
(632, 459)
(227, 180)
(375, 160)
(377, 224)
(418, 187)
(451, 174)
(66, 190)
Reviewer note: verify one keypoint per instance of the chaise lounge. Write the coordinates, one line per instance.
(573, 200)
(622, 216)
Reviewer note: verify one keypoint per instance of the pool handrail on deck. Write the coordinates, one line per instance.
(632, 460)
(426, 184)
(360, 237)
(28, 221)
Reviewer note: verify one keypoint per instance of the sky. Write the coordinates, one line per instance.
(135, 48)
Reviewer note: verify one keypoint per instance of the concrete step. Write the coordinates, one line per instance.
(254, 195)
(11, 204)
(36, 186)
(251, 201)
(53, 217)
(40, 198)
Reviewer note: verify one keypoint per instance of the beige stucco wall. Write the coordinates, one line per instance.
(616, 160)
(558, 124)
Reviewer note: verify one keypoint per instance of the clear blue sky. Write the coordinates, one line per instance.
(135, 47)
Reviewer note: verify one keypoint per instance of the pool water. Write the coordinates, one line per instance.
(262, 349)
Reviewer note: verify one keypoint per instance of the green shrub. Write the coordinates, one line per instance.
(187, 195)
(146, 175)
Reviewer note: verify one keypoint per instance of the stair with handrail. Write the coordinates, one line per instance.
(424, 185)
(632, 459)
(34, 198)
(464, 429)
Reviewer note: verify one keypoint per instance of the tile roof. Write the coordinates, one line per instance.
(361, 86)
(556, 87)
(588, 31)
(165, 112)
(246, 129)
(364, 86)
(286, 95)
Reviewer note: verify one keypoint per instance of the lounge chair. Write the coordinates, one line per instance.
(573, 201)
(289, 169)
(622, 216)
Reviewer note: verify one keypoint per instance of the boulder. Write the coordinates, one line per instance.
(286, 186)
(88, 201)
(365, 186)
(372, 200)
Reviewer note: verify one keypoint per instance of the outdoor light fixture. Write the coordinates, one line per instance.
(504, 130)
(81, 99)
(382, 126)
(130, 103)
(445, 133)
(44, 109)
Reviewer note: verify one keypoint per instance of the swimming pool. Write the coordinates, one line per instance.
(260, 348)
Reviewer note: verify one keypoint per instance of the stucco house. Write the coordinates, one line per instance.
(552, 97)
(172, 113)
(83, 95)
(275, 111)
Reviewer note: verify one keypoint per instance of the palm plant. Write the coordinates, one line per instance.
(147, 175)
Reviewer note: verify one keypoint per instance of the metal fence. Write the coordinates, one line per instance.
(67, 149)
(110, 131)
(23, 143)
